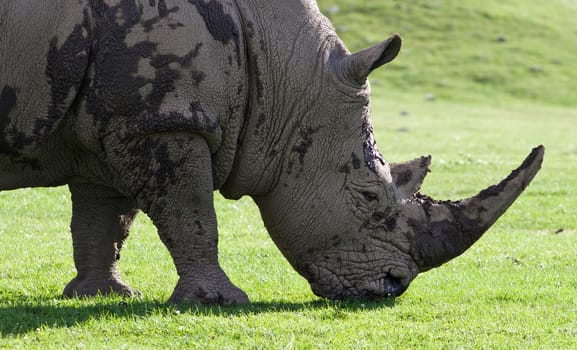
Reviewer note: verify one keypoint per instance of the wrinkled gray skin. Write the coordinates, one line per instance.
(152, 105)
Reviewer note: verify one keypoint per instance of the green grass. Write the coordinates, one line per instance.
(468, 49)
(516, 288)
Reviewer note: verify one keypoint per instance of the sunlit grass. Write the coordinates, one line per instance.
(459, 50)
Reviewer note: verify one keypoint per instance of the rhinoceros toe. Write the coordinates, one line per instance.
(93, 287)
(208, 293)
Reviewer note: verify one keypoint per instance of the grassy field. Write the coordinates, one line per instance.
(516, 288)
(467, 50)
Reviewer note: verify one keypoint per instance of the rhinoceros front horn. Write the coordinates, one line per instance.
(445, 229)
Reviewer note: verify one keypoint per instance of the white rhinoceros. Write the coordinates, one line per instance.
(153, 104)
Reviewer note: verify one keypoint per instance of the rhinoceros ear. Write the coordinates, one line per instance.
(357, 67)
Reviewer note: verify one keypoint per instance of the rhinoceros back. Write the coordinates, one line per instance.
(44, 52)
(110, 71)
(167, 66)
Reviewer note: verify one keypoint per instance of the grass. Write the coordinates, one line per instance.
(516, 288)
(470, 50)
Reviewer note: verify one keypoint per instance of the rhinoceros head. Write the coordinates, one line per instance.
(351, 223)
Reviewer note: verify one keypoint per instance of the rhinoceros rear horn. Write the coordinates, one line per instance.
(408, 176)
(358, 66)
(444, 229)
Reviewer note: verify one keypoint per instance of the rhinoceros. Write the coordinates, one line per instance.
(152, 105)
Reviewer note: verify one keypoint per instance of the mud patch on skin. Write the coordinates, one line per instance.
(199, 228)
(185, 61)
(116, 88)
(8, 101)
(154, 163)
(305, 142)
(66, 64)
(220, 25)
(258, 82)
(336, 241)
(301, 147)
(65, 68)
(165, 174)
(404, 178)
(345, 169)
(356, 161)
(163, 12)
(372, 154)
(197, 77)
(382, 221)
(196, 121)
(261, 120)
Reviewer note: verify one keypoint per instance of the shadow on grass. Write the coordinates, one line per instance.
(29, 315)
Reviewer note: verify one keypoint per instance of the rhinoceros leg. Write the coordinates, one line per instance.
(172, 181)
(101, 219)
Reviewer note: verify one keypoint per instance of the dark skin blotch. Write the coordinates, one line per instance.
(220, 25)
(356, 161)
(261, 120)
(259, 82)
(305, 142)
(173, 26)
(197, 77)
(116, 86)
(404, 178)
(66, 64)
(199, 227)
(163, 11)
(336, 239)
(345, 169)
(372, 154)
(7, 103)
(391, 223)
(163, 173)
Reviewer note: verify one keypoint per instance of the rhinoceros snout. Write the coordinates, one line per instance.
(388, 287)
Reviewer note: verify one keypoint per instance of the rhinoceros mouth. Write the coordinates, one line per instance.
(330, 284)
(380, 289)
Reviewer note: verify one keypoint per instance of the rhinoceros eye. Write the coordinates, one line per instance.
(370, 196)
(364, 198)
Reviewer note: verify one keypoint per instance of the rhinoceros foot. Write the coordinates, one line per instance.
(92, 287)
(210, 291)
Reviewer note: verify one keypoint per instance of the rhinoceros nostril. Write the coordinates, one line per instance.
(391, 291)
(388, 287)
(395, 287)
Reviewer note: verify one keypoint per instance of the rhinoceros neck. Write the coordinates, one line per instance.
(288, 44)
